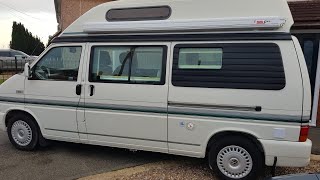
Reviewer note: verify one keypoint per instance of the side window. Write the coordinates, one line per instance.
(17, 53)
(308, 54)
(200, 58)
(228, 65)
(110, 63)
(60, 63)
(126, 64)
(4, 54)
(147, 65)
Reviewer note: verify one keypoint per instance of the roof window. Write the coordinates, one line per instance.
(139, 13)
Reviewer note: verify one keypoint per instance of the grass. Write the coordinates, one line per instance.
(2, 80)
(4, 77)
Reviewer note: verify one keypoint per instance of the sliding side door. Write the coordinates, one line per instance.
(126, 95)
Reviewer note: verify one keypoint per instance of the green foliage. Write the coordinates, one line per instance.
(49, 40)
(23, 40)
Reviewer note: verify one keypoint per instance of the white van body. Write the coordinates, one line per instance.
(259, 89)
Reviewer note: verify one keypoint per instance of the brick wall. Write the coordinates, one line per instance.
(72, 9)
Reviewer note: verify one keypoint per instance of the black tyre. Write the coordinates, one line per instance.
(23, 132)
(235, 158)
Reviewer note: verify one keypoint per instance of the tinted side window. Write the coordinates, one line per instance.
(229, 65)
(4, 54)
(142, 65)
(60, 63)
(17, 53)
(308, 54)
(138, 14)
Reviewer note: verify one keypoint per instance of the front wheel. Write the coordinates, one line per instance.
(23, 132)
(235, 158)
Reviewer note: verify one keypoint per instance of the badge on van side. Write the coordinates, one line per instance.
(19, 91)
(190, 126)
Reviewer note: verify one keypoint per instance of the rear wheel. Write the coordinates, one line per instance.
(235, 158)
(23, 132)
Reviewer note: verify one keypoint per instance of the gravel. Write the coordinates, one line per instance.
(314, 167)
(181, 168)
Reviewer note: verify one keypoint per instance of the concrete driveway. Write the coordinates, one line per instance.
(71, 161)
(66, 160)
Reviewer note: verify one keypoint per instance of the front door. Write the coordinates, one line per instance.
(126, 96)
(50, 94)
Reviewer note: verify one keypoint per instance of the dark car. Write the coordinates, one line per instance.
(297, 177)
(13, 60)
(12, 53)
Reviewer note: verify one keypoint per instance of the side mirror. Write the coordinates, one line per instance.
(26, 71)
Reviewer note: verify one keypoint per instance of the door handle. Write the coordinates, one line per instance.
(78, 89)
(91, 90)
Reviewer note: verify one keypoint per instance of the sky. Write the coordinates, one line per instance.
(38, 16)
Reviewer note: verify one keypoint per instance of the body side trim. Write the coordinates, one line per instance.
(216, 106)
(190, 111)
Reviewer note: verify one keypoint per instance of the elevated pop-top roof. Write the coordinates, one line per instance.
(172, 16)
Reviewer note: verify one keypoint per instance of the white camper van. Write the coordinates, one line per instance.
(223, 80)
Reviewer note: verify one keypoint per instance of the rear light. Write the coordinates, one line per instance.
(304, 131)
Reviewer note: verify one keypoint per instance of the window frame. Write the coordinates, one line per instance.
(163, 70)
(48, 51)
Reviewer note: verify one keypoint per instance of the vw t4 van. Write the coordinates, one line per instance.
(222, 80)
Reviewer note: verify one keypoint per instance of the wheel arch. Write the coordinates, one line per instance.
(11, 112)
(225, 133)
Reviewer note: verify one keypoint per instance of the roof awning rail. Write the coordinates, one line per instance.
(218, 24)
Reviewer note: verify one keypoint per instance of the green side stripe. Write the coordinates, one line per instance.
(164, 112)
(232, 117)
(124, 109)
